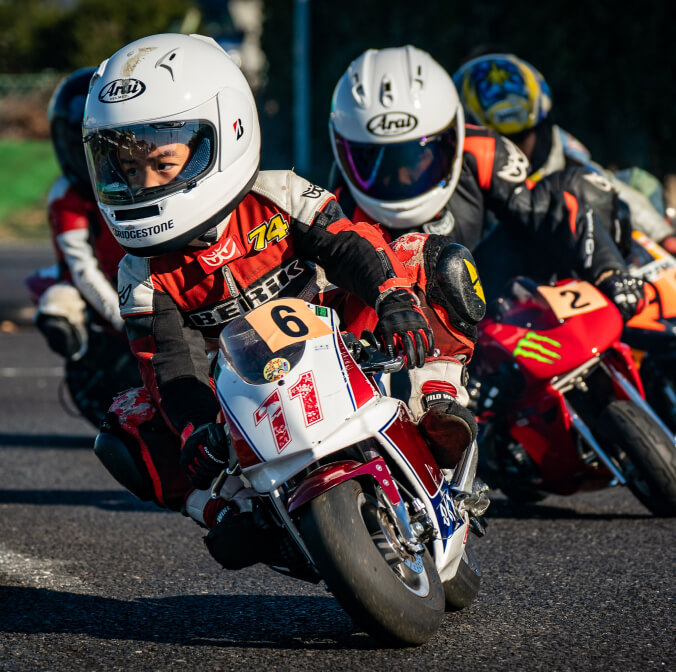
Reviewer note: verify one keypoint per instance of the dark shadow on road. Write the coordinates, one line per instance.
(253, 621)
(108, 500)
(45, 441)
(506, 509)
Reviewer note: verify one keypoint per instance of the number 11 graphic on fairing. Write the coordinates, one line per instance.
(306, 390)
(272, 409)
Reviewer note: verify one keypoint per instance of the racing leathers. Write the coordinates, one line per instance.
(85, 275)
(556, 149)
(287, 237)
(536, 228)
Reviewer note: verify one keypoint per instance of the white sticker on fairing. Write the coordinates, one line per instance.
(598, 181)
(516, 168)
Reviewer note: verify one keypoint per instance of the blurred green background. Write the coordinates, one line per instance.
(610, 71)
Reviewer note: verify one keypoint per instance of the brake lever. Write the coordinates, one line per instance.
(383, 366)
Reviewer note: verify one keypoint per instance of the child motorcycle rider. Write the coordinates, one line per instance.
(509, 95)
(87, 254)
(173, 146)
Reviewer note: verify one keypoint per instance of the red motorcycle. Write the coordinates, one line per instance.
(559, 400)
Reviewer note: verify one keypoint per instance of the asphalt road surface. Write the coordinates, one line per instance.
(91, 579)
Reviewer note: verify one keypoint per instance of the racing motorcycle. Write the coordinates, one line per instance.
(107, 367)
(559, 400)
(652, 332)
(346, 491)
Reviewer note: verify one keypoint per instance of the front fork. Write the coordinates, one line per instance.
(469, 494)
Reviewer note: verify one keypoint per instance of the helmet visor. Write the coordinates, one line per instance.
(142, 162)
(401, 170)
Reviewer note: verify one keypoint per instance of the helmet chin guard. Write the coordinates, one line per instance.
(172, 140)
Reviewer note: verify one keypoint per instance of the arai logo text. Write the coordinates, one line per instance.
(392, 123)
(121, 89)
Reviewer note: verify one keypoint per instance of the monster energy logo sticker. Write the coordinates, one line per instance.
(534, 346)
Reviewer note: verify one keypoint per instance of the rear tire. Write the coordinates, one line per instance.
(462, 589)
(647, 455)
(394, 595)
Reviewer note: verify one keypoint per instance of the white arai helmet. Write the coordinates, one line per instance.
(397, 129)
(172, 140)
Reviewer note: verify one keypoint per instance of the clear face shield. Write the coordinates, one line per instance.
(402, 170)
(141, 162)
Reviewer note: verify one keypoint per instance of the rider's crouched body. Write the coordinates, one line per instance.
(208, 237)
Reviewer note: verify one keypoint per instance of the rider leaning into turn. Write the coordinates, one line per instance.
(410, 163)
(506, 93)
(87, 254)
(173, 145)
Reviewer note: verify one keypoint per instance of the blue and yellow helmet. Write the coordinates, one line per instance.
(503, 92)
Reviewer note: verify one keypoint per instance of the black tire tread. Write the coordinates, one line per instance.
(651, 451)
(358, 576)
(462, 589)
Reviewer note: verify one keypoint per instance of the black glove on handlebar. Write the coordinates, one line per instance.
(625, 291)
(205, 452)
(403, 327)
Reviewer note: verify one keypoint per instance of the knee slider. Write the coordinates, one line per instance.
(117, 458)
(454, 283)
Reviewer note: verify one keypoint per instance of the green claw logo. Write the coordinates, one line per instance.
(531, 345)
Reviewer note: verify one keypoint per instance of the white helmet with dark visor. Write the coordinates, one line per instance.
(397, 129)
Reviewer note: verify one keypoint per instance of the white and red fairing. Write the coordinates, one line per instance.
(323, 404)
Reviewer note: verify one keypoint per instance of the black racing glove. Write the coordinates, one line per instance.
(205, 452)
(403, 327)
(625, 291)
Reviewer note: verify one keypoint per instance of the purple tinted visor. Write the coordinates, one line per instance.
(398, 171)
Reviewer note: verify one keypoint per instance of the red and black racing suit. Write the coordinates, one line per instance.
(271, 245)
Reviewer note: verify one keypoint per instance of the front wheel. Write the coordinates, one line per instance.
(393, 594)
(645, 452)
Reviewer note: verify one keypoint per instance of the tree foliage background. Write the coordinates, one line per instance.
(39, 34)
(611, 71)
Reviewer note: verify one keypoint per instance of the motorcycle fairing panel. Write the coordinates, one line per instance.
(292, 406)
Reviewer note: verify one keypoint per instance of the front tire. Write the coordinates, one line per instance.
(394, 595)
(646, 453)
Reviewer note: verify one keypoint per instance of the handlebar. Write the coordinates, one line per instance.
(368, 355)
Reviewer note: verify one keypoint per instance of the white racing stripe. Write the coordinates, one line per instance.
(28, 372)
(27, 571)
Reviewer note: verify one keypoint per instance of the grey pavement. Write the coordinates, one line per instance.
(17, 261)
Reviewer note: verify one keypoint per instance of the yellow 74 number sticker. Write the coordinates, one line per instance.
(274, 229)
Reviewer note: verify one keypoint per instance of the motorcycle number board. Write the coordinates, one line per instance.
(574, 298)
(286, 321)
